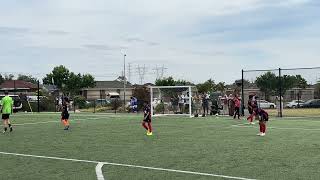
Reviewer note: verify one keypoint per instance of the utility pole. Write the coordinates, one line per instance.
(124, 81)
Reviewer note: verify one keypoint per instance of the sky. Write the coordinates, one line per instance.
(193, 40)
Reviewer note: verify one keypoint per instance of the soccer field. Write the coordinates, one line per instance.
(116, 147)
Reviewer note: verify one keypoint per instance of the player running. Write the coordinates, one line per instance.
(264, 118)
(65, 114)
(146, 123)
(6, 109)
(65, 118)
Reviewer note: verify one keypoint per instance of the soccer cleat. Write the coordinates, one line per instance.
(259, 134)
(263, 134)
(149, 134)
(3, 132)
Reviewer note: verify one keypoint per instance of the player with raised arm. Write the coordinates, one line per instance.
(146, 123)
(7, 110)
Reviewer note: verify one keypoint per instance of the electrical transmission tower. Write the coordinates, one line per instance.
(160, 71)
(141, 72)
(129, 71)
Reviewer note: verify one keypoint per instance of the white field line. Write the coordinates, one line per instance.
(99, 171)
(126, 165)
(271, 127)
(78, 114)
(46, 122)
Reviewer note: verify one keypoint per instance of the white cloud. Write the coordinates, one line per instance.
(91, 35)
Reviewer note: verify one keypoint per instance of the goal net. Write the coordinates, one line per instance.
(171, 100)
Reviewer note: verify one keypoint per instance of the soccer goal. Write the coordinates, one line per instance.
(171, 100)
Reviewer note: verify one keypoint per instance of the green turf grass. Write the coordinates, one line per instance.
(208, 145)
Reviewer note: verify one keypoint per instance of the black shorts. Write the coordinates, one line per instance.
(147, 120)
(250, 111)
(66, 116)
(264, 118)
(5, 116)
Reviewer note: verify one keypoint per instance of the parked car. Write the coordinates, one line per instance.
(113, 96)
(266, 105)
(295, 104)
(17, 104)
(35, 98)
(103, 102)
(313, 103)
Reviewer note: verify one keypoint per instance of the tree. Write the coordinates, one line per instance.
(221, 86)
(8, 77)
(73, 84)
(165, 82)
(27, 78)
(1, 79)
(87, 80)
(207, 86)
(69, 82)
(59, 77)
(267, 83)
(142, 94)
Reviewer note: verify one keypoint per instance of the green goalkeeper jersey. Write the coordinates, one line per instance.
(6, 104)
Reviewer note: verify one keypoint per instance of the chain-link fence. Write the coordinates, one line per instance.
(284, 92)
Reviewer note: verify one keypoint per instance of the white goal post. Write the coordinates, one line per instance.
(187, 98)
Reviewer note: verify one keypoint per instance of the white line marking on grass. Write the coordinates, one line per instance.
(126, 165)
(99, 171)
(271, 127)
(46, 122)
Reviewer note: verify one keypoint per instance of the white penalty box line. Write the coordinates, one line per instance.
(101, 164)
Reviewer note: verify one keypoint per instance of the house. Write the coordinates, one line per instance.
(18, 87)
(103, 88)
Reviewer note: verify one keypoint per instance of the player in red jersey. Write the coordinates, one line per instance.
(252, 107)
(237, 104)
(264, 118)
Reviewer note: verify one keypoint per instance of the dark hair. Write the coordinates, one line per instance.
(6, 93)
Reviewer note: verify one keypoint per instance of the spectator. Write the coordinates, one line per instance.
(187, 103)
(237, 104)
(205, 104)
(225, 105)
(181, 103)
(197, 105)
(134, 104)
